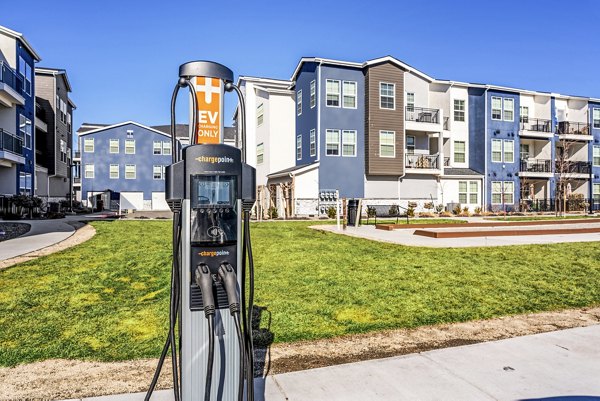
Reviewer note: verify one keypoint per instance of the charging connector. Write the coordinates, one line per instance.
(204, 280)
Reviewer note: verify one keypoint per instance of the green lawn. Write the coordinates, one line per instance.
(548, 217)
(107, 299)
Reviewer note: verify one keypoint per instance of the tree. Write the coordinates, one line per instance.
(565, 167)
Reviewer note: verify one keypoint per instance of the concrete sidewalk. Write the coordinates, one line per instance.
(562, 365)
(42, 234)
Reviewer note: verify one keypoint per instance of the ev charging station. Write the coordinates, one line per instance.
(210, 190)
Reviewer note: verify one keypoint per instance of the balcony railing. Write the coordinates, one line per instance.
(10, 77)
(536, 165)
(446, 161)
(446, 123)
(11, 143)
(422, 115)
(422, 161)
(40, 112)
(573, 128)
(575, 167)
(536, 124)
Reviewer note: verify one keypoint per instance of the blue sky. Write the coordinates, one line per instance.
(122, 56)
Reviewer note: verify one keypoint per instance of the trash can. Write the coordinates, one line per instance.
(352, 211)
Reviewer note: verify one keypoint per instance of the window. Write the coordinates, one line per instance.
(299, 102)
(25, 183)
(349, 94)
(509, 189)
(410, 101)
(25, 130)
(166, 148)
(114, 146)
(130, 146)
(410, 144)
(260, 115)
(596, 193)
(459, 152)
(524, 151)
(157, 147)
(298, 147)
(114, 171)
(524, 114)
(509, 151)
(348, 143)
(313, 143)
(509, 109)
(129, 133)
(496, 108)
(130, 171)
(313, 93)
(496, 192)
(596, 118)
(459, 110)
(332, 142)
(503, 192)
(25, 72)
(63, 151)
(88, 145)
(260, 153)
(89, 171)
(387, 96)
(387, 144)
(463, 193)
(332, 89)
(596, 156)
(158, 172)
(496, 150)
(473, 192)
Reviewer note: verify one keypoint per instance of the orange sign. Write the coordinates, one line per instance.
(209, 93)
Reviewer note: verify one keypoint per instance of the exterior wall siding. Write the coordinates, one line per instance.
(595, 142)
(28, 110)
(308, 120)
(377, 119)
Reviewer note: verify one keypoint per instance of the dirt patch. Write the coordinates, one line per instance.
(62, 379)
(84, 232)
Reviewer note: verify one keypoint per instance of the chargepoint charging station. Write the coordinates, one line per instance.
(210, 190)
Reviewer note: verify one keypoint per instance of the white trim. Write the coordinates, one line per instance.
(355, 94)
(339, 141)
(312, 133)
(501, 150)
(394, 143)
(352, 131)
(110, 172)
(299, 146)
(134, 172)
(504, 101)
(312, 86)
(110, 146)
(394, 97)
(120, 125)
(19, 36)
(299, 102)
(492, 108)
(339, 93)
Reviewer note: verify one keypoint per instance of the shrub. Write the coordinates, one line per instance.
(426, 215)
(439, 208)
(331, 212)
(446, 214)
(272, 212)
(429, 205)
(394, 210)
(412, 204)
(410, 212)
(477, 210)
(457, 210)
(371, 212)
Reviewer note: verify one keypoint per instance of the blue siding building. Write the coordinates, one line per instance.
(123, 167)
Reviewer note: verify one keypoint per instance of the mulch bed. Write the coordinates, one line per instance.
(13, 230)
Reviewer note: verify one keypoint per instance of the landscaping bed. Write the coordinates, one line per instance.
(13, 230)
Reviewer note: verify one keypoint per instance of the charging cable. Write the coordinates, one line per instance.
(204, 280)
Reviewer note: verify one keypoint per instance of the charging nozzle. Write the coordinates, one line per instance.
(205, 282)
(229, 279)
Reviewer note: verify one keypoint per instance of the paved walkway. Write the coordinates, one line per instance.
(561, 365)
(42, 234)
(406, 237)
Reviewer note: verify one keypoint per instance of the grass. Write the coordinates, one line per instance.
(421, 220)
(107, 299)
(548, 217)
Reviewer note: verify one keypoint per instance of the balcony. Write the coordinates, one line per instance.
(574, 131)
(423, 119)
(426, 164)
(536, 128)
(11, 149)
(41, 123)
(574, 167)
(11, 86)
(535, 168)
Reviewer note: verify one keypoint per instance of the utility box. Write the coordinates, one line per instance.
(353, 212)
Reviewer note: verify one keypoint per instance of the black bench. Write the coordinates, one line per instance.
(386, 211)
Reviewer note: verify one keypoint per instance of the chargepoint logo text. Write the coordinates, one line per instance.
(212, 254)
(214, 159)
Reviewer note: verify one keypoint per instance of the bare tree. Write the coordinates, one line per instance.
(565, 167)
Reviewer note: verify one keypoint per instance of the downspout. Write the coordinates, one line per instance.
(485, 156)
(318, 113)
(293, 195)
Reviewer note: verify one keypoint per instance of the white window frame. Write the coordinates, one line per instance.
(313, 94)
(88, 170)
(511, 193)
(299, 102)
(313, 142)
(161, 172)
(596, 192)
(110, 145)
(524, 114)
(298, 147)
(88, 145)
(156, 148)
(337, 94)
(128, 172)
(128, 148)
(349, 138)
(499, 142)
(111, 171)
(499, 110)
(409, 98)
(166, 148)
(474, 192)
(260, 153)
(393, 134)
(381, 96)
(511, 145)
(260, 114)
(461, 103)
(596, 156)
(26, 131)
(332, 143)
(505, 109)
(455, 152)
(410, 149)
(596, 118)
(353, 96)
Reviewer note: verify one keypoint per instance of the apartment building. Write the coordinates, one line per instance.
(386, 132)
(17, 113)
(53, 134)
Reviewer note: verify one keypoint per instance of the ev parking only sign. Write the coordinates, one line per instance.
(209, 95)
